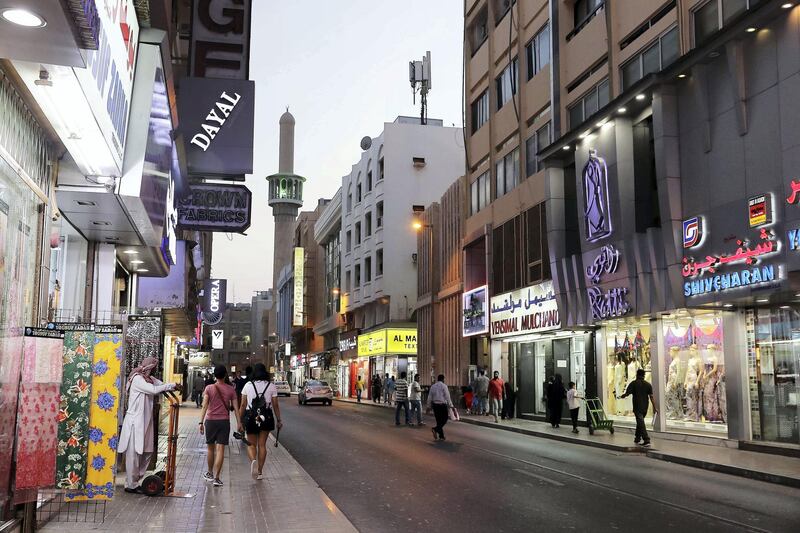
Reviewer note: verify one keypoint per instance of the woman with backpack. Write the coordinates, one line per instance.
(261, 413)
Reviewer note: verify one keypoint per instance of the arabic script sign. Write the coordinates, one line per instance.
(596, 213)
(530, 310)
(794, 197)
(606, 261)
(743, 254)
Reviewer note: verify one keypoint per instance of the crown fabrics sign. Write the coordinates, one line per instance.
(216, 207)
(220, 46)
(475, 312)
(216, 122)
(214, 299)
(530, 310)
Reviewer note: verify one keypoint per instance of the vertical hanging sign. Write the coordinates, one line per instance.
(297, 315)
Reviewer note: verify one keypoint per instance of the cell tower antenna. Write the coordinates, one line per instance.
(419, 75)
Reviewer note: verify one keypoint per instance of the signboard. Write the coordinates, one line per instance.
(373, 343)
(220, 46)
(297, 312)
(348, 343)
(759, 210)
(216, 207)
(692, 232)
(214, 299)
(199, 358)
(216, 121)
(608, 303)
(475, 311)
(217, 339)
(401, 341)
(530, 310)
(597, 212)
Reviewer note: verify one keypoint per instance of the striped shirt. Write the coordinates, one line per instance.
(401, 390)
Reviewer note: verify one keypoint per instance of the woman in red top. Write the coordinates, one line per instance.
(219, 399)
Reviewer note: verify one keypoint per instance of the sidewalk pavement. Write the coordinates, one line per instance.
(287, 500)
(755, 465)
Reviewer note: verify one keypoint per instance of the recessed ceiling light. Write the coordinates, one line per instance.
(583, 135)
(681, 76)
(622, 110)
(129, 252)
(787, 5)
(762, 300)
(640, 97)
(142, 270)
(728, 305)
(785, 307)
(567, 148)
(750, 29)
(23, 17)
(137, 262)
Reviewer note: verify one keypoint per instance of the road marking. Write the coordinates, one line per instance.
(540, 478)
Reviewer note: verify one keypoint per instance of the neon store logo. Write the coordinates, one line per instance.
(610, 303)
(692, 232)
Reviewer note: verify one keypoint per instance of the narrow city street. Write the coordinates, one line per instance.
(388, 478)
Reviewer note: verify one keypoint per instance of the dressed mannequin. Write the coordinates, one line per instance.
(711, 400)
(692, 385)
(619, 386)
(611, 406)
(136, 437)
(632, 367)
(674, 392)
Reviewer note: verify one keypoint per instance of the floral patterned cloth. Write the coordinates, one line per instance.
(10, 359)
(73, 413)
(103, 425)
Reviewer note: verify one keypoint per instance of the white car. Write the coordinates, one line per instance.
(315, 391)
(283, 388)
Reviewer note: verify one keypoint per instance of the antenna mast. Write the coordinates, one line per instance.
(419, 75)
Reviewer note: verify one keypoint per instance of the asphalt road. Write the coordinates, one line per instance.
(388, 478)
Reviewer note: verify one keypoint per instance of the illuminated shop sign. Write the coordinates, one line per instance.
(794, 196)
(217, 339)
(299, 274)
(529, 310)
(215, 207)
(744, 254)
(793, 239)
(606, 262)
(759, 210)
(475, 313)
(348, 341)
(692, 232)
(214, 299)
(373, 343)
(597, 214)
(731, 280)
(388, 341)
(215, 120)
(611, 302)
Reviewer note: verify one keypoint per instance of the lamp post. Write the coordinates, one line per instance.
(419, 226)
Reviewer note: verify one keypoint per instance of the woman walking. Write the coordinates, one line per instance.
(261, 412)
(555, 400)
(439, 400)
(219, 399)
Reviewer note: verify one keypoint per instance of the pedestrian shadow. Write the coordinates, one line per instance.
(446, 445)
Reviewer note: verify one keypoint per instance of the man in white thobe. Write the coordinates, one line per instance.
(136, 437)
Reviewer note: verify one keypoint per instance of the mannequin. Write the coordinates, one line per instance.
(136, 438)
(711, 400)
(611, 407)
(694, 375)
(619, 386)
(674, 392)
(632, 367)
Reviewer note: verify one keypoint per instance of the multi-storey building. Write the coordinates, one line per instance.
(407, 165)
(666, 190)
(261, 304)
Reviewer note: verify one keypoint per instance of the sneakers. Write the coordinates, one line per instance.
(259, 477)
(208, 476)
(636, 441)
(575, 431)
(435, 435)
(217, 482)
(253, 469)
(421, 424)
(646, 443)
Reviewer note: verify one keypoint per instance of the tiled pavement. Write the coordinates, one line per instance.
(287, 500)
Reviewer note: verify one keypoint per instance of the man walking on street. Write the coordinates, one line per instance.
(386, 388)
(482, 392)
(359, 388)
(641, 391)
(376, 389)
(496, 395)
(415, 397)
(401, 399)
(439, 400)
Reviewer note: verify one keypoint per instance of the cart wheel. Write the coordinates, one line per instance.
(161, 474)
(611, 429)
(152, 485)
(591, 430)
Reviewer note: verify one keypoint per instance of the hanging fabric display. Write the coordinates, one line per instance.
(142, 339)
(10, 358)
(73, 414)
(103, 423)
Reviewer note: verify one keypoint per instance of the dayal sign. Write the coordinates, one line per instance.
(215, 120)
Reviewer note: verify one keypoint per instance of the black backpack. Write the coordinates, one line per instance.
(259, 414)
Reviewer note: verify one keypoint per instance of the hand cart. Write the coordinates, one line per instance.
(162, 480)
(597, 416)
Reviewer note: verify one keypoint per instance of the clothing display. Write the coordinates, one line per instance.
(693, 389)
(73, 414)
(611, 404)
(142, 340)
(674, 394)
(103, 415)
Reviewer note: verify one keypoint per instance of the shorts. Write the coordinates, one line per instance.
(252, 429)
(218, 431)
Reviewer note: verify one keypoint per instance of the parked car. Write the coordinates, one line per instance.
(315, 391)
(283, 388)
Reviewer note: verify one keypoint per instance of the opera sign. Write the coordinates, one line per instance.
(216, 207)
(217, 119)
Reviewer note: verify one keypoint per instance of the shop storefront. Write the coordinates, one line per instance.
(384, 351)
(526, 333)
(347, 365)
(297, 371)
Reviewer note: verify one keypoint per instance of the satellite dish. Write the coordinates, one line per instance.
(366, 143)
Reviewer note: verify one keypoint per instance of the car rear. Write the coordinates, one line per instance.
(318, 391)
(283, 388)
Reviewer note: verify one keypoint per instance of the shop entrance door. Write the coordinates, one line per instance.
(526, 397)
(561, 357)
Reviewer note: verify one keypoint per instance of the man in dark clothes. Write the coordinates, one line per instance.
(641, 391)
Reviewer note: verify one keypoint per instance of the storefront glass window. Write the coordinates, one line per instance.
(773, 357)
(67, 285)
(626, 349)
(694, 367)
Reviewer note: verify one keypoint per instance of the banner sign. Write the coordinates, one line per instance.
(214, 299)
(475, 312)
(530, 310)
(217, 339)
(373, 343)
(401, 341)
(220, 46)
(299, 259)
(216, 207)
(348, 343)
(217, 120)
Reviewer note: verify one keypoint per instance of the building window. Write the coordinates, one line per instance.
(507, 173)
(349, 202)
(536, 255)
(479, 192)
(348, 241)
(583, 12)
(369, 180)
(347, 285)
(358, 192)
(379, 214)
(368, 224)
(535, 144)
(380, 169)
(712, 16)
(501, 7)
(654, 58)
(357, 281)
(538, 51)
(332, 275)
(519, 251)
(480, 111)
(367, 269)
(478, 31)
(595, 99)
(506, 83)
(358, 233)
(379, 262)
